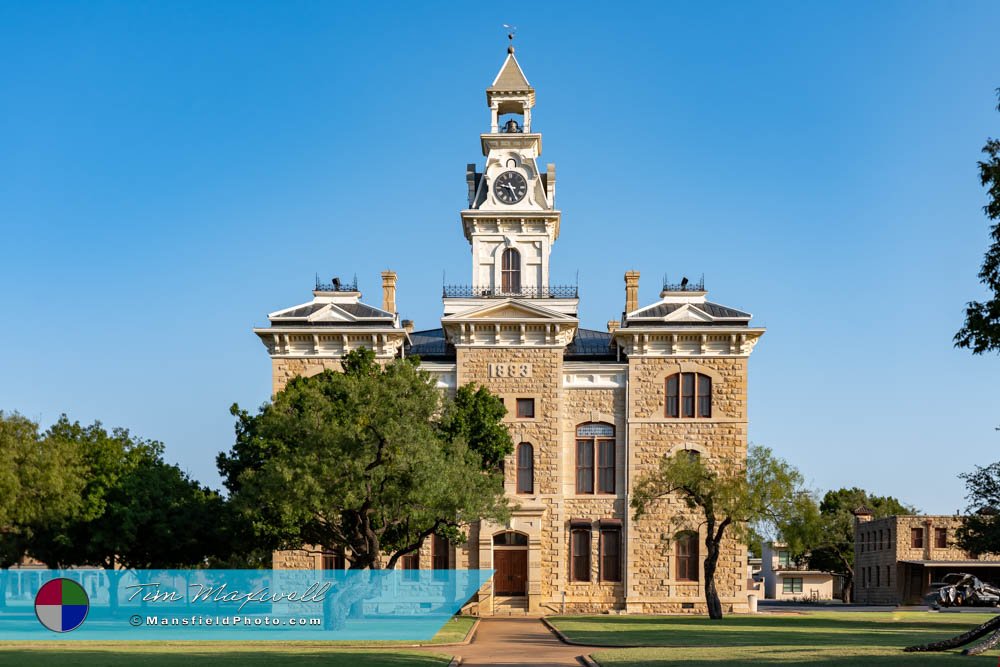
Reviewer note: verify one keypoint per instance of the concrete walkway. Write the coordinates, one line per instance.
(516, 641)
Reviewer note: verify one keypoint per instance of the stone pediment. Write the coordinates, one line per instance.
(688, 313)
(332, 314)
(510, 310)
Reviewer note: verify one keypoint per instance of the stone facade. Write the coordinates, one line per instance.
(897, 558)
(568, 390)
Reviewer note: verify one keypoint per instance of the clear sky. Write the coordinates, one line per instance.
(170, 172)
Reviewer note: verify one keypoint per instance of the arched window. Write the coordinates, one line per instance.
(595, 442)
(689, 395)
(525, 468)
(686, 555)
(510, 271)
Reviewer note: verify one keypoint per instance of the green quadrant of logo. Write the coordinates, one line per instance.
(73, 593)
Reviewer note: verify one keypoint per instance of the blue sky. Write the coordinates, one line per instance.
(171, 172)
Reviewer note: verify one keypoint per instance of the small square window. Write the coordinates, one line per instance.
(525, 408)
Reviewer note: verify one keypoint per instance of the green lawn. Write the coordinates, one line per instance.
(85, 654)
(817, 638)
(229, 654)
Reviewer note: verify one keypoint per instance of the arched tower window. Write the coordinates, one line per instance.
(510, 271)
(525, 468)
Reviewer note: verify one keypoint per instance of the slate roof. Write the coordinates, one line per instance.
(590, 344)
(713, 309)
(430, 345)
(369, 315)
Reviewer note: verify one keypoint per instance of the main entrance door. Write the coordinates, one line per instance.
(511, 576)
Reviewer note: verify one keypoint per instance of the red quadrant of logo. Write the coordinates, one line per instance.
(50, 593)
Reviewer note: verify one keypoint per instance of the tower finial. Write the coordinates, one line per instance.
(512, 31)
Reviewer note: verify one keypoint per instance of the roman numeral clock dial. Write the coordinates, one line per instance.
(510, 187)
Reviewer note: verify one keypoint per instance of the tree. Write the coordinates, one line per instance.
(981, 332)
(136, 511)
(823, 533)
(475, 415)
(368, 461)
(980, 529)
(728, 494)
(39, 483)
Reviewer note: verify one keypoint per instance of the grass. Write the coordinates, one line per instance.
(218, 654)
(230, 654)
(825, 639)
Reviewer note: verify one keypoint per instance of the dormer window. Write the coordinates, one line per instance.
(510, 271)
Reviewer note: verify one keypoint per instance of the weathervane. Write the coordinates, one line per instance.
(511, 32)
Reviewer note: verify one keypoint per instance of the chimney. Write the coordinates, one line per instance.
(631, 291)
(613, 325)
(389, 291)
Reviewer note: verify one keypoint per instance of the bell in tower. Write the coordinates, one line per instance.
(511, 127)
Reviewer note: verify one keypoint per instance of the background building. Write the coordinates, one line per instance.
(589, 410)
(784, 579)
(897, 558)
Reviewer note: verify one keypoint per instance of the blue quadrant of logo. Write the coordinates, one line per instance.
(73, 615)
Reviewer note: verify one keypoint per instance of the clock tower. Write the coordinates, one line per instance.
(511, 221)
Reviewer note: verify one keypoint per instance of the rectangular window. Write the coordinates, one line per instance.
(687, 557)
(941, 538)
(584, 466)
(704, 396)
(687, 393)
(784, 558)
(605, 466)
(611, 540)
(525, 408)
(880, 538)
(878, 576)
(917, 538)
(888, 575)
(410, 563)
(673, 397)
(580, 554)
(334, 561)
(791, 584)
(439, 553)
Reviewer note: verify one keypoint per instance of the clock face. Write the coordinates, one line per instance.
(510, 187)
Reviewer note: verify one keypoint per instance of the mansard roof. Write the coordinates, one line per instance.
(430, 345)
(685, 309)
(590, 344)
(325, 310)
(715, 311)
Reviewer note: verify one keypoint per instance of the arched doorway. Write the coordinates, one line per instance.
(510, 560)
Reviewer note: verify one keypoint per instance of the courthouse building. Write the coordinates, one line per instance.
(590, 411)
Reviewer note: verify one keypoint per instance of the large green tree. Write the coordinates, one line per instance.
(723, 496)
(136, 511)
(823, 533)
(981, 332)
(40, 483)
(371, 461)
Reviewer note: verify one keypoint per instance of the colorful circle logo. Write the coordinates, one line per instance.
(61, 605)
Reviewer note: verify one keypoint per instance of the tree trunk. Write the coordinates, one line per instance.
(961, 640)
(711, 593)
(847, 589)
